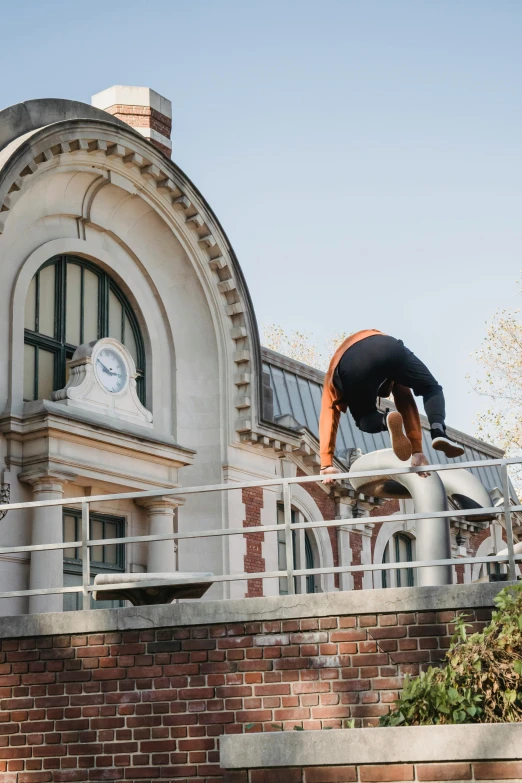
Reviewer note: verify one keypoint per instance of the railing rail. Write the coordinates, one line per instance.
(506, 508)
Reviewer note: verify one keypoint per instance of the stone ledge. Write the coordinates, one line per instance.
(481, 742)
(356, 602)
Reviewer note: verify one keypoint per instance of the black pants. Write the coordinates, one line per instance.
(365, 371)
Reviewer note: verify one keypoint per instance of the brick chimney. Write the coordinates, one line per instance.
(146, 110)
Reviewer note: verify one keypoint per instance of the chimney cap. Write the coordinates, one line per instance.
(122, 95)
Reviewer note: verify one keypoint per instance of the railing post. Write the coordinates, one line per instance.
(86, 559)
(289, 544)
(512, 574)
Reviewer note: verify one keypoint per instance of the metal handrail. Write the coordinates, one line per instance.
(85, 543)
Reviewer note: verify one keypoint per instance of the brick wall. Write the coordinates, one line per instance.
(485, 771)
(144, 117)
(254, 560)
(149, 705)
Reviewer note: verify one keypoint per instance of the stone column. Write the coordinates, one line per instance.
(161, 554)
(46, 568)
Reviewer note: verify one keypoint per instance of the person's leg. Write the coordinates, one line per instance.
(414, 373)
(411, 372)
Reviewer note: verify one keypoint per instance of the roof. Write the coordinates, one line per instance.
(297, 390)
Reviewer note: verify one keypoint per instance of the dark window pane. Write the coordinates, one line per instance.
(69, 534)
(130, 341)
(30, 307)
(29, 356)
(306, 398)
(46, 312)
(310, 580)
(73, 305)
(280, 390)
(96, 532)
(45, 374)
(295, 398)
(72, 601)
(90, 306)
(115, 317)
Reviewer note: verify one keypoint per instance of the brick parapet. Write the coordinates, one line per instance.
(151, 704)
(459, 771)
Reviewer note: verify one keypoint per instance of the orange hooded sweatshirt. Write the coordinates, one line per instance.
(333, 404)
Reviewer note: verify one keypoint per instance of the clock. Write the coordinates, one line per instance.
(102, 379)
(111, 368)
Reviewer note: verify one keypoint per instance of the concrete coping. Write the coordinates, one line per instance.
(289, 607)
(401, 744)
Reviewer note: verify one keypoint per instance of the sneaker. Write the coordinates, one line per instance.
(399, 440)
(441, 442)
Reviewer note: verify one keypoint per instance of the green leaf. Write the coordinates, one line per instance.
(298, 728)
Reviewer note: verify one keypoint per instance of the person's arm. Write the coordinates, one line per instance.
(328, 425)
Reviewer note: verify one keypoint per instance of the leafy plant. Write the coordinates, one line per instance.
(481, 681)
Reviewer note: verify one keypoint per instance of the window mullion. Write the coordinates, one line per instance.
(37, 305)
(35, 384)
(103, 307)
(82, 304)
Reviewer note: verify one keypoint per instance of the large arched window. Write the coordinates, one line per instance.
(70, 302)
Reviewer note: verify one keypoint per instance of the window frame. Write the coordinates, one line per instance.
(281, 548)
(73, 565)
(396, 538)
(57, 345)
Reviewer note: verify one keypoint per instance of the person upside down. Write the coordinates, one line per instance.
(369, 365)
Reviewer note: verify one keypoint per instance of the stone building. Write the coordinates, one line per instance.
(102, 236)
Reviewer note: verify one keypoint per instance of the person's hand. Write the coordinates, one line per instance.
(329, 472)
(417, 461)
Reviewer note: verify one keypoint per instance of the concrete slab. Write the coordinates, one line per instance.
(354, 602)
(372, 746)
(133, 587)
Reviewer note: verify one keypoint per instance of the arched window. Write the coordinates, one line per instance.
(306, 584)
(70, 302)
(399, 549)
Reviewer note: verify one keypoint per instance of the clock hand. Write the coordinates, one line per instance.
(106, 369)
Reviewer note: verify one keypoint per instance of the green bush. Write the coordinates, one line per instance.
(481, 681)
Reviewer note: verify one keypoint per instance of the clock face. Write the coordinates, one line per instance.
(111, 369)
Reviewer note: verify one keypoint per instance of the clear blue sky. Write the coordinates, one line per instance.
(364, 156)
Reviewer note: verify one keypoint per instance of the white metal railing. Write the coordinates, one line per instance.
(85, 543)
